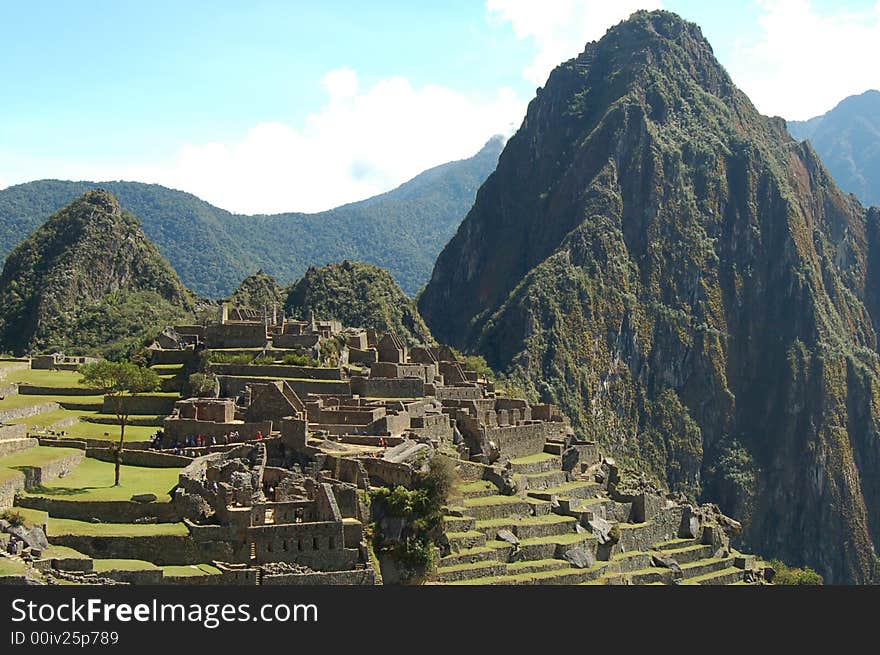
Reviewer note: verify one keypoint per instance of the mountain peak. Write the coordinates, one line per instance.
(688, 284)
(78, 269)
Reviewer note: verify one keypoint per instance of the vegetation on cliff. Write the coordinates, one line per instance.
(357, 294)
(690, 285)
(88, 280)
(258, 291)
(212, 249)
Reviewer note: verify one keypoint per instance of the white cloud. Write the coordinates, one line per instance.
(805, 61)
(362, 142)
(561, 28)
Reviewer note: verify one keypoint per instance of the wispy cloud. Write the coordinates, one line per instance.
(561, 28)
(804, 60)
(364, 141)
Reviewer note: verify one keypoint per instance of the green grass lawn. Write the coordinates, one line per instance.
(12, 567)
(27, 400)
(104, 565)
(58, 527)
(46, 419)
(84, 429)
(62, 552)
(190, 570)
(92, 480)
(35, 456)
(42, 378)
(32, 516)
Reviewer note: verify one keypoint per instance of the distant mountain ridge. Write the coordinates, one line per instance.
(212, 249)
(847, 139)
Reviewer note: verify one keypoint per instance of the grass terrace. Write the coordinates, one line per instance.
(12, 567)
(104, 565)
(24, 400)
(92, 480)
(190, 570)
(37, 456)
(58, 527)
(45, 378)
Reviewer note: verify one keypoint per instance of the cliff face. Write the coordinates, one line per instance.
(689, 284)
(88, 278)
(358, 295)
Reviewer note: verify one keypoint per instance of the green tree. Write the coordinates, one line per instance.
(119, 381)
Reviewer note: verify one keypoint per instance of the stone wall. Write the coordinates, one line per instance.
(231, 386)
(319, 545)
(119, 511)
(362, 576)
(12, 431)
(457, 393)
(295, 340)
(9, 487)
(173, 356)
(159, 549)
(24, 412)
(183, 428)
(388, 387)
(388, 473)
(236, 335)
(35, 476)
(277, 371)
(142, 404)
(148, 458)
(11, 446)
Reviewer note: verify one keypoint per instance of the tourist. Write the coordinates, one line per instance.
(259, 435)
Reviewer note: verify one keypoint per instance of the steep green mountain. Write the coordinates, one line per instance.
(360, 295)
(690, 285)
(212, 249)
(87, 280)
(257, 291)
(847, 139)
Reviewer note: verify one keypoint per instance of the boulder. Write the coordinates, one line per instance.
(601, 528)
(144, 498)
(690, 524)
(579, 557)
(570, 459)
(508, 536)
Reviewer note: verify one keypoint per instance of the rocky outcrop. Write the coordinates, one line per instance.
(690, 285)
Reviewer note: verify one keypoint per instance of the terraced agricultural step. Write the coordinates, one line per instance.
(689, 553)
(529, 526)
(644, 576)
(632, 561)
(469, 556)
(554, 447)
(539, 481)
(461, 572)
(574, 489)
(533, 566)
(478, 489)
(459, 541)
(560, 576)
(706, 566)
(458, 523)
(538, 463)
(493, 507)
(542, 548)
(11, 446)
(726, 576)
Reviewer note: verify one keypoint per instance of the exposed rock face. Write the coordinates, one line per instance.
(89, 262)
(690, 285)
(358, 294)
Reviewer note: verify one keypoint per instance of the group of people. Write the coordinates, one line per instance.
(180, 446)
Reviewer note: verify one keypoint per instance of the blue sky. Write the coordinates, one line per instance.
(279, 106)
